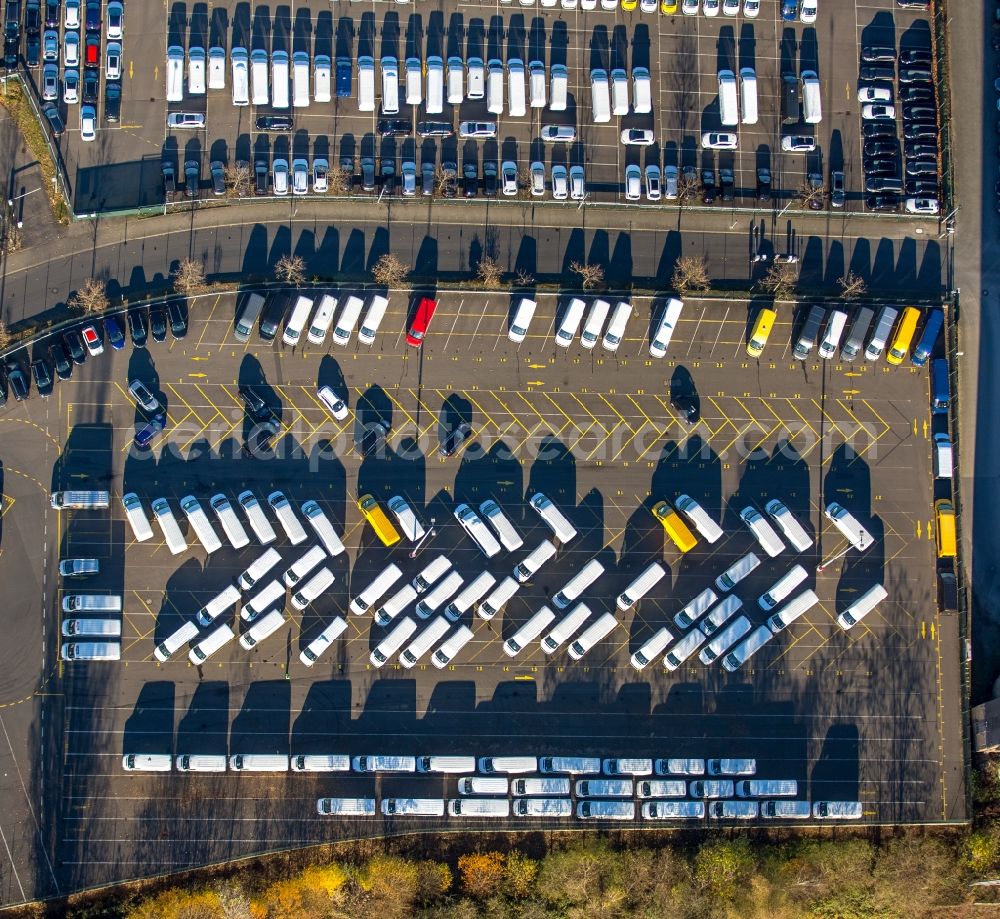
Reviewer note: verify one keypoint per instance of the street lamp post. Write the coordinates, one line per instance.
(821, 568)
(430, 533)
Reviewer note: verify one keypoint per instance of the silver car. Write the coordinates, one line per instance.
(50, 82)
(577, 184)
(508, 172)
(559, 133)
(409, 173)
(537, 179)
(143, 397)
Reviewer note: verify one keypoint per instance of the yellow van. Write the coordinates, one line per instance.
(903, 338)
(761, 331)
(945, 529)
(381, 524)
(676, 528)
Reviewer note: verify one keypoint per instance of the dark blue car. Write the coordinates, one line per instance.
(116, 334)
(789, 9)
(145, 435)
(344, 77)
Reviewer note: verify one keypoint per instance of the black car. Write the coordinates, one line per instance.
(51, 113)
(919, 113)
(915, 57)
(32, 49)
(74, 345)
(434, 129)
(490, 181)
(882, 203)
(33, 16)
(917, 92)
(373, 437)
(920, 149)
(388, 176)
(253, 401)
(137, 327)
(112, 101)
(881, 185)
(920, 130)
(728, 183)
(877, 72)
(158, 322)
(921, 167)
(17, 381)
(169, 171)
(708, 184)
(684, 400)
(178, 319)
(64, 368)
(52, 14)
(874, 54)
(881, 167)
(874, 130)
(259, 439)
(260, 172)
(11, 45)
(914, 75)
(470, 180)
(192, 178)
(145, 434)
(880, 148)
(394, 127)
(763, 184)
(91, 82)
(93, 16)
(458, 436)
(922, 186)
(274, 122)
(42, 373)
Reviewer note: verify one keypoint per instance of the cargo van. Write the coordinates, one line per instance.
(720, 614)
(661, 788)
(451, 646)
(760, 332)
(862, 606)
(600, 96)
(705, 525)
(729, 113)
(767, 788)
(439, 593)
(297, 320)
(480, 785)
(528, 632)
(673, 810)
(373, 318)
(201, 762)
(247, 317)
(616, 327)
(830, 341)
(221, 603)
(286, 517)
(414, 81)
(808, 333)
(312, 589)
(748, 95)
(494, 86)
(378, 520)
(536, 84)
(366, 83)
(570, 322)
(559, 88)
(479, 807)
(837, 810)
(734, 810)
(543, 807)
(448, 764)
(849, 526)
(496, 518)
(424, 641)
(538, 556)
(321, 319)
(763, 531)
(390, 85)
(175, 74)
(300, 79)
(258, 762)
(604, 788)
(812, 109)
(347, 320)
(641, 586)
(498, 598)
(676, 528)
(572, 765)
(681, 651)
(168, 526)
(782, 588)
(346, 807)
(258, 77)
(595, 632)
(211, 643)
(556, 520)
(940, 387)
(599, 310)
(711, 788)
(396, 604)
(321, 77)
(321, 762)
(631, 766)
(472, 593)
(794, 531)
(747, 648)
(456, 81)
(195, 514)
(724, 639)
(521, 319)
(91, 651)
(903, 337)
(679, 767)
(642, 98)
(477, 79)
(384, 763)
(258, 569)
(279, 79)
(147, 762)
(136, 517)
(259, 523)
(109, 628)
(516, 88)
(619, 92)
(392, 642)
(166, 648)
(262, 628)
(566, 628)
(605, 810)
(315, 556)
(311, 653)
(376, 590)
(785, 810)
(413, 807)
(231, 526)
(430, 573)
(928, 338)
(83, 500)
(323, 528)
(273, 595)
(857, 334)
(665, 328)
(577, 584)
(883, 328)
(92, 603)
(539, 787)
(695, 609)
(944, 529)
(654, 646)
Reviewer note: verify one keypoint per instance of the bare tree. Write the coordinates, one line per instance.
(5, 337)
(489, 272)
(291, 269)
(687, 187)
(90, 297)
(338, 180)
(524, 277)
(238, 179)
(780, 279)
(591, 276)
(690, 273)
(852, 286)
(812, 193)
(390, 271)
(189, 276)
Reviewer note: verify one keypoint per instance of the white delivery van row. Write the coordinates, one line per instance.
(302, 566)
(311, 653)
(229, 522)
(286, 517)
(538, 556)
(641, 586)
(444, 590)
(451, 646)
(168, 526)
(655, 645)
(136, 517)
(782, 588)
(312, 589)
(256, 517)
(219, 604)
(566, 628)
(376, 590)
(396, 604)
(373, 318)
(472, 593)
(497, 598)
(430, 636)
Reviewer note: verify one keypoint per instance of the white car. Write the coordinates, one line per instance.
(648, 6)
(926, 206)
(633, 177)
(609, 4)
(538, 179)
(874, 94)
(321, 170)
(336, 405)
(720, 140)
(710, 7)
(798, 143)
(730, 7)
(577, 183)
(751, 8)
(558, 133)
(279, 177)
(71, 49)
(638, 137)
(653, 190)
(807, 12)
(508, 172)
(72, 20)
(88, 123)
(113, 61)
(300, 177)
(71, 86)
(560, 183)
(115, 19)
(689, 7)
(878, 112)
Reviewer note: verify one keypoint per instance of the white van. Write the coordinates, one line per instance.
(366, 83)
(599, 310)
(566, 628)
(577, 584)
(300, 79)
(147, 762)
(570, 322)
(373, 318)
(195, 514)
(494, 86)
(420, 645)
(791, 611)
(627, 766)
(734, 810)
(412, 529)
(279, 79)
(286, 517)
(392, 607)
(312, 589)
(311, 652)
(559, 89)
(748, 95)
(168, 525)
(849, 526)
(794, 531)
(321, 319)
(508, 764)
(175, 74)
(221, 603)
(165, 649)
(812, 109)
(392, 642)
(604, 788)
(480, 785)
(456, 81)
(476, 79)
(539, 787)
(451, 646)
(747, 648)
(641, 586)
(384, 763)
(729, 113)
(763, 531)
(430, 573)
(92, 603)
(538, 556)
(321, 762)
(262, 628)
(694, 512)
(413, 807)
(273, 594)
(211, 643)
(605, 810)
(679, 767)
(661, 788)
(322, 528)
(439, 593)
(655, 645)
(297, 571)
(196, 71)
(528, 632)
(479, 807)
(258, 77)
(619, 92)
(258, 762)
(665, 329)
(835, 324)
(91, 651)
(720, 615)
(435, 85)
(109, 628)
(725, 639)
(695, 609)
(500, 522)
(642, 97)
(600, 96)
(595, 632)
(521, 319)
(258, 569)
(560, 526)
(782, 588)
(136, 517)
(473, 592)
(259, 523)
(477, 530)
(837, 810)
(390, 85)
(347, 320)
(785, 810)
(241, 76)
(297, 320)
(201, 762)
(231, 526)
(516, 88)
(862, 606)
(346, 807)
(737, 572)
(448, 764)
(321, 77)
(536, 84)
(684, 649)
(673, 810)
(376, 590)
(616, 327)
(414, 81)
(498, 598)
(543, 807)
(767, 788)
(883, 327)
(573, 765)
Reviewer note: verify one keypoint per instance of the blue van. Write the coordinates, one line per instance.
(928, 338)
(343, 77)
(940, 392)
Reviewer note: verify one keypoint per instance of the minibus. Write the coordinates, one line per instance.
(528, 632)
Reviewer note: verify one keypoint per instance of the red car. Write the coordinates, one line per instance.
(92, 51)
(421, 319)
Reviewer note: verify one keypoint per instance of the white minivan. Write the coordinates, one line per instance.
(521, 319)
(392, 642)
(665, 328)
(528, 632)
(168, 525)
(568, 626)
(763, 531)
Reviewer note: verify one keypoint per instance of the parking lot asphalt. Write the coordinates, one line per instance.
(863, 715)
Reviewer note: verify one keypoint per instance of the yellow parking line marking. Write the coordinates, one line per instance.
(208, 322)
(399, 405)
(489, 418)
